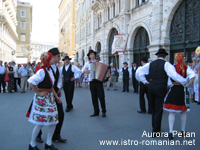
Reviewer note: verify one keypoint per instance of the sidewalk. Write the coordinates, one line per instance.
(122, 123)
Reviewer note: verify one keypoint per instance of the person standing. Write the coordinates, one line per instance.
(112, 78)
(68, 72)
(2, 76)
(143, 90)
(134, 81)
(44, 110)
(158, 71)
(175, 99)
(23, 74)
(10, 72)
(15, 68)
(126, 76)
(28, 75)
(96, 87)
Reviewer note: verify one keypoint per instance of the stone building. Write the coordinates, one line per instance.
(66, 27)
(24, 29)
(8, 34)
(151, 24)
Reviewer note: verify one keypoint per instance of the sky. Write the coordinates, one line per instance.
(45, 26)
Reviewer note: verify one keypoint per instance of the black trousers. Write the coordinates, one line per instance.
(157, 94)
(16, 81)
(97, 92)
(143, 91)
(69, 93)
(2, 76)
(126, 83)
(60, 123)
(135, 84)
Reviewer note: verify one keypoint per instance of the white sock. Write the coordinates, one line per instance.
(171, 120)
(51, 130)
(183, 120)
(35, 132)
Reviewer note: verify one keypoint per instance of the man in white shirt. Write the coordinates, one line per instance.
(16, 78)
(143, 90)
(2, 76)
(158, 72)
(96, 87)
(127, 74)
(69, 73)
(24, 75)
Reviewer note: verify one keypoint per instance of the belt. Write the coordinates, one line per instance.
(176, 83)
(46, 90)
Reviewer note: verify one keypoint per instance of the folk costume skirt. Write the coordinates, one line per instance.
(175, 99)
(44, 110)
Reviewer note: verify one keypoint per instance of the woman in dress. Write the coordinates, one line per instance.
(44, 110)
(175, 101)
(10, 72)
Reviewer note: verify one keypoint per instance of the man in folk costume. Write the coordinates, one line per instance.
(134, 81)
(127, 74)
(69, 73)
(96, 87)
(44, 109)
(143, 90)
(158, 72)
(175, 101)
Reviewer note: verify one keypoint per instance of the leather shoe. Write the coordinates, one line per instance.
(67, 110)
(183, 133)
(51, 147)
(141, 112)
(59, 140)
(33, 148)
(39, 140)
(94, 115)
(170, 136)
(103, 115)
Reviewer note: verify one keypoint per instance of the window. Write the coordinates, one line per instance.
(113, 10)
(119, 5)
(23, 13)
(108, 13)
(137, 3)
(23, 24)
(23, 49)
(23, 37)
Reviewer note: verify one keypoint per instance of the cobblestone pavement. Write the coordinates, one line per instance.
(122, 123)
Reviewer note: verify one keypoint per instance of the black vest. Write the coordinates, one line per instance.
(56, 76)
(46, 83)
(125, 72)
(133, 72)
(68, 74)
(157, 72)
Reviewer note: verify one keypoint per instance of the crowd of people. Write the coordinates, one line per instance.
(17, 74)
(47, 80)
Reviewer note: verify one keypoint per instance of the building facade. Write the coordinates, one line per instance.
(24, 29)
(150, 24)
(8, 34)
(66, 27)
(37, 49)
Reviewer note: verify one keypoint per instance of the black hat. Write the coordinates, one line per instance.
(66, 57)
(54, 51)
(91, 51)
(134, 62)
(125, 63)
(161, 51)
(144, 59)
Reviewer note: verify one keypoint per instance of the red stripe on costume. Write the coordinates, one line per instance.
(175, 107)
(28, 114)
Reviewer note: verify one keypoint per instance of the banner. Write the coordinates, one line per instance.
(119, 43)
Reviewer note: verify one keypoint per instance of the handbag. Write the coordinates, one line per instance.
(6, 79)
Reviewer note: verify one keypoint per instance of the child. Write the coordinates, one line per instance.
(85, 80)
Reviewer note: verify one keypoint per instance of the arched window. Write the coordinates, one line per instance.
(141, 42)
(185, 32)
(98, 50)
